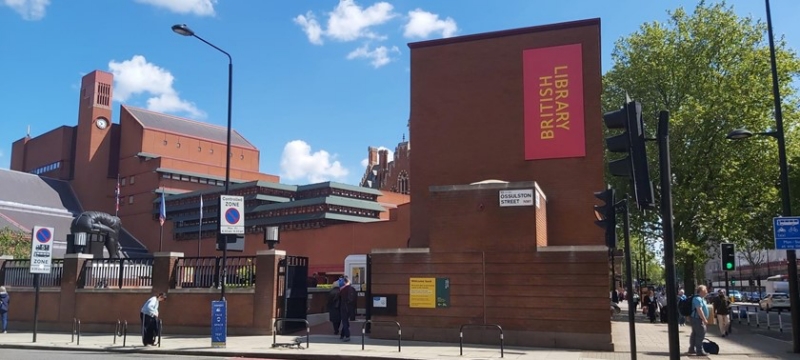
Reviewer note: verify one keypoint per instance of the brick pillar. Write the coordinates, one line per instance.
(73, 265)
(3, 259)
(163, 274)
(265, 294)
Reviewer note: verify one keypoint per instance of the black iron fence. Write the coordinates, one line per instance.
(18, 274)
(206, 272)
(117, 273)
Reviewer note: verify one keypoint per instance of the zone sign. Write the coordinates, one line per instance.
(231, 215)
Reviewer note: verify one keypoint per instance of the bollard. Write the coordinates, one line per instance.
(79, 332)
(160, 329)
(768, 322)
(117, 331)
(124, 333)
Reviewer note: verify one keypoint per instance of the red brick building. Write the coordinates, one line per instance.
(149, 153)
(522, 106)
(385, 175)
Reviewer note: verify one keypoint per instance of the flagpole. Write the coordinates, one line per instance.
(162, 217)
(200, 227)
(116, 198)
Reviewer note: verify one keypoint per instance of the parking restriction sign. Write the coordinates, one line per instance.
(41, 250)
(231, 215)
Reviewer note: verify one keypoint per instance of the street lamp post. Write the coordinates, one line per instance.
(184, 30)
(778, 134)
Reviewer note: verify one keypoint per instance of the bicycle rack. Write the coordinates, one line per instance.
(76, 329)
(461, 336)
(364, 331)
(296, 342)
(118, 331)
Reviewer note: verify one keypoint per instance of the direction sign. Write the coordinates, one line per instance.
(41, 250)
(231, 215)
(787, 232)
(219, 324)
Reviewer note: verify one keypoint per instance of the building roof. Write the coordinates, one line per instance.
(28, 200)
(33, 191)
(340, 186)
(179, 125)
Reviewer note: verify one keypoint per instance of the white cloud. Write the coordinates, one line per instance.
(298, 162)
(311, 27)
(29, 9)
(196, 7)
(347, 22)
(137, 76)
(378, 56)
(421, 24)
(364, 163)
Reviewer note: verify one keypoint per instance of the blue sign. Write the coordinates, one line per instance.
(787, 232)
(219, 324)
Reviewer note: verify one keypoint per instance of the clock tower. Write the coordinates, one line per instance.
(93, 143)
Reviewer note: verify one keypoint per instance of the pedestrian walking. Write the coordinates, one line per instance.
(149, 316)
(347, 307)
(681, 297)
(722, 306)
(334, 313)
(4, 301)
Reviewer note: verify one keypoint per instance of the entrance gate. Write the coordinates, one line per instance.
(292, 290)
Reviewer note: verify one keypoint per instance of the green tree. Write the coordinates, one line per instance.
(15, 243)
(710, 69)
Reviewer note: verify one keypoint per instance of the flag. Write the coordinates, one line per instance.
(201, 210)
(162, 215)
(116, 194)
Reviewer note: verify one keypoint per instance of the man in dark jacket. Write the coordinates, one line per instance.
(347, 307)
(722, 306)
(334, 313)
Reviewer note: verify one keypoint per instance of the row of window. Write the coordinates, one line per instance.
(286, 212)
(200, 149)
(123, 180)
(194, 179)
(311, 224)
(47, 168)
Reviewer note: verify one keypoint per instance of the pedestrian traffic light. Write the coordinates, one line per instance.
(728, 255)
(632, 142)
(606, 215)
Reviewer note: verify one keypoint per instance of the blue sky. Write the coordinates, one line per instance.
(315, 82)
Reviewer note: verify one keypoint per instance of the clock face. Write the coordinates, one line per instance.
(101, 123)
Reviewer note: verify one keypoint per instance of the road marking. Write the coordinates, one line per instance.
(770, 337)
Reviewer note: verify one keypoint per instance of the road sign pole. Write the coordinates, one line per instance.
(35, 306)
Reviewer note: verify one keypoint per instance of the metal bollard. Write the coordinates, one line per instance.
(160, 329)
(124, 333)
(117, 330)
(79, 332)
(768, 323)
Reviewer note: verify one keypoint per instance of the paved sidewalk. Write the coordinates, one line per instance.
(651, 342)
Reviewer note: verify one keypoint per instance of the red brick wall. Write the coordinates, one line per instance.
(546, 299)
(467, 125)
(469, 218)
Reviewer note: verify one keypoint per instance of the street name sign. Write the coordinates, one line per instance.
(523, 197)
(787, 232)
(231, 214)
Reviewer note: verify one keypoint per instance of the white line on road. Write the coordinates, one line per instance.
(770, 337)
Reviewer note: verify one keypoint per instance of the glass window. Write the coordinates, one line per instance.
(133, 179)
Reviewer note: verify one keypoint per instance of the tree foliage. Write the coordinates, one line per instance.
(15, 243)
(711, 70)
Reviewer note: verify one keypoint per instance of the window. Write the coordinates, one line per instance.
(130, 199)
(123, 182)
(133, 179)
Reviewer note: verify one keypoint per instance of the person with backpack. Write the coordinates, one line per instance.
(681, 316)
(699, 317)
(347, 308)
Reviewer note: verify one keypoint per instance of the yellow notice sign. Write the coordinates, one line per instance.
(422, 293)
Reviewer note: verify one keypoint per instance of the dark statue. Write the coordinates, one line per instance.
(100, 223)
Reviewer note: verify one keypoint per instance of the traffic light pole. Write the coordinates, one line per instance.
(669, 235)
(727, 292)
(626, 223)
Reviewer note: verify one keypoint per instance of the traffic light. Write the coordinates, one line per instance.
(728, 255)
(632, 142)
(733, 281)
(606, 215)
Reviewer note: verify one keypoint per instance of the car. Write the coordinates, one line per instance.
(737, 295)
(775, 301)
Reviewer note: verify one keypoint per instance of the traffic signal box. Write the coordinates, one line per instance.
(728, 255)
(632, 142)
